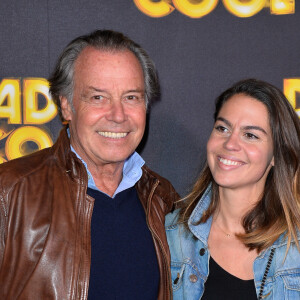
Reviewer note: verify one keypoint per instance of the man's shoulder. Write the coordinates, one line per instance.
(164, 183)
(163, 188)
(151, 173)
(16, 169)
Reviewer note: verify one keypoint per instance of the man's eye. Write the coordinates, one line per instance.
(97, 97)
(131, 97)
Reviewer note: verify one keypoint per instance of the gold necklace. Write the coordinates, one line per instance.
(229, 235)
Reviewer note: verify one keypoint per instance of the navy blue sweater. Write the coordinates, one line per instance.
(124, 263)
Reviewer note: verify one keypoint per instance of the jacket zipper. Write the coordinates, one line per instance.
(156, 236)
(263, 282)
(89, 207)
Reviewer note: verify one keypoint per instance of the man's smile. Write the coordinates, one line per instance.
(113, 135)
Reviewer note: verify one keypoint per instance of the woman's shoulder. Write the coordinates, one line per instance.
(174, 225)
(287, 259)
(176, 229)
(171, 219)
(285, 270)
(286, 262)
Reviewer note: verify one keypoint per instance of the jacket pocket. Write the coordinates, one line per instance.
(187, 283)
(292, 282)
(177, 270)
(292, 286)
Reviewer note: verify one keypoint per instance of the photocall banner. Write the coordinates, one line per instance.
(200, 48)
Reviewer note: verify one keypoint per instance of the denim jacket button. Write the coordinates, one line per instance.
(193, 278)
(202, 251)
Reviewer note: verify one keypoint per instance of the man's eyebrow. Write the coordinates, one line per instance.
(136, 91)
(249, 127)
(95, 89)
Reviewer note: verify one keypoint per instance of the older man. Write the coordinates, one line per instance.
(85, 218)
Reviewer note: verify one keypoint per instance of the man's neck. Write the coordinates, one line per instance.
(107, 177)
(111, 178)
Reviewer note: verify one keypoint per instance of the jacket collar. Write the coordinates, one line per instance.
(72, 165)
(282, 240)
(68, 160)
(201, 231)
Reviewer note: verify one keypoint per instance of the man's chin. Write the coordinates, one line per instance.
(116, 159)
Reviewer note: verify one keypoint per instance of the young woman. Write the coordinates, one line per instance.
(236, 235)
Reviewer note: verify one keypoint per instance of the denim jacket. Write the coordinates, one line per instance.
(190, 260)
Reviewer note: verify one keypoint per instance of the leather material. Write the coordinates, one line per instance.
(45, 218)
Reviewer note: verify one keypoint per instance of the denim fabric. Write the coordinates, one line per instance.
(190, 260)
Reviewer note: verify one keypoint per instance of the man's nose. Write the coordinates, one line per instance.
(117, 112)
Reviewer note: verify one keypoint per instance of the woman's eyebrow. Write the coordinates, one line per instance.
(248, 127)
(252, 127)
(224, 120)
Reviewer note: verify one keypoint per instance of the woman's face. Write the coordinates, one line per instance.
(240, 148)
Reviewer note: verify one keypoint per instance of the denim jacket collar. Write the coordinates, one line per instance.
(201, 231)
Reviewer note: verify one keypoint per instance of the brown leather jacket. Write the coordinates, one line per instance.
(45, 218)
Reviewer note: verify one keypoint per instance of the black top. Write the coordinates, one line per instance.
(124, 262)
(222, 285)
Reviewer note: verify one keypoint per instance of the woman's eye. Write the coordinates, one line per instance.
(251, 136)
(221, 128)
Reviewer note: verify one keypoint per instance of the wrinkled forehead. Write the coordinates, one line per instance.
(90, 56)
(97, 63)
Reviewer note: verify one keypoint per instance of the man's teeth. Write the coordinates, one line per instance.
(229, 162)
(113, 135)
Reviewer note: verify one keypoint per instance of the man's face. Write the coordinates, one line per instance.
(109, 116)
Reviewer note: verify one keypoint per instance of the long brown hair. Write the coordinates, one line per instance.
(278, 210)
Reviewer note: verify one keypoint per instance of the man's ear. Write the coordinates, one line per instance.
(66, 109)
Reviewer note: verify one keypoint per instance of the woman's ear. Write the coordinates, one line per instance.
(272, 162)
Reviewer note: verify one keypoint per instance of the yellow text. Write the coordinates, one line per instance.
(24, 102)
(200, 8)
(291, 87)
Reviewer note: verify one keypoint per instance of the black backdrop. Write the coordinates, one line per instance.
(197, 58)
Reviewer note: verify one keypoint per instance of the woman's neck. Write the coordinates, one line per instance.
(233, 206)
